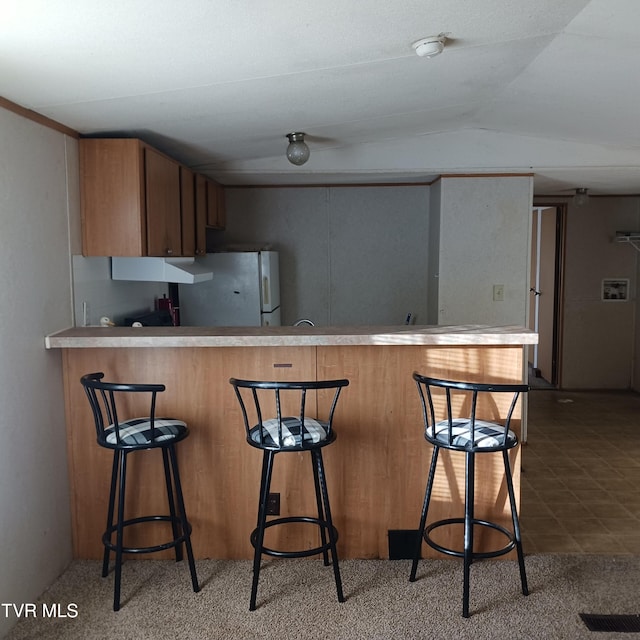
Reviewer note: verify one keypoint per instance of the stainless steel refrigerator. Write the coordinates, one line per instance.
(244, 291)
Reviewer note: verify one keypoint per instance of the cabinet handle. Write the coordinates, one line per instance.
(168, 251)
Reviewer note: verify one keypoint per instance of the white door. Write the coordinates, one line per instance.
(542, 310)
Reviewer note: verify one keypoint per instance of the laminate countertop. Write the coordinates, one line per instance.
(302, 336)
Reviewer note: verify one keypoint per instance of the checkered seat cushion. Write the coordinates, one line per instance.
(487, 435)
(314, 431)
(137, 431)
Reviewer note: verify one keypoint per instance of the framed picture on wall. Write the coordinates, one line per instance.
(615, 289)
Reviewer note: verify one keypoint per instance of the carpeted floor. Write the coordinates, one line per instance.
(296, 599)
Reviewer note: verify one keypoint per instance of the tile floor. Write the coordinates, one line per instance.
(581, 473)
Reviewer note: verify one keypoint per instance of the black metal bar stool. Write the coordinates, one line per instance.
(125, 437)
(286, 433)
(470, 435)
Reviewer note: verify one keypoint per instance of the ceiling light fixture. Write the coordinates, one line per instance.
(430, 46)
(297, 151)
(581, 198)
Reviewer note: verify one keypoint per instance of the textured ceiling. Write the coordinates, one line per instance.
(539, 86)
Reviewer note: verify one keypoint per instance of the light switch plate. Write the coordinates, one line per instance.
(498, 292)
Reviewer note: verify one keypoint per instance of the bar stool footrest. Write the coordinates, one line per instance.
(106, 537)
(476, 554)
(296, 554)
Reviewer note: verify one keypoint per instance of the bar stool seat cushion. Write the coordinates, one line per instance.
(486, 435)
(314, 431)
(137, 431)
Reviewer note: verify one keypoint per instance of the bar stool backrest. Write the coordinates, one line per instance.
(105, 398)
(269, 409)
(468, 416)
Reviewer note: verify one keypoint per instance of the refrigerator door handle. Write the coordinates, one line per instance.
(265, 290)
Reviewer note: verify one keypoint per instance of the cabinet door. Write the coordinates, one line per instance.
(215, 205)
(162, 182)
(201, 215)
(112, 197)
(188, 211)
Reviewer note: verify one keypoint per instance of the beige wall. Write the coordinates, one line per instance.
(38, 189)
(484, 241)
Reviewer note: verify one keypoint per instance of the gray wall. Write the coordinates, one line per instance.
(348, 255)
(433, 252)
(38, 184)
(370, 255)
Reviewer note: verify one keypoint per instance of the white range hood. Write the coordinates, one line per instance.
(179, 270)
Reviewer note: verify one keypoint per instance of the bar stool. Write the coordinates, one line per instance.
(286, 433)
(125, 437)
(470, 435)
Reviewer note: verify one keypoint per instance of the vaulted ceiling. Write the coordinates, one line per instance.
(537, 86)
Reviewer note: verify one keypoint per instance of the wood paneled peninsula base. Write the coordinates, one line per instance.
(376, 471)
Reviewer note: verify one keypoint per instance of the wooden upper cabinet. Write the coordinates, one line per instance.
(112, 198)
(162, 180)
(210, 206)
(201, 212)
(215, 205)
(194, 213)
(130, 199)
(188, 210)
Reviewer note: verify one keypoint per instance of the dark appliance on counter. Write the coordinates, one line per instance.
(159, 318)
(171, 304)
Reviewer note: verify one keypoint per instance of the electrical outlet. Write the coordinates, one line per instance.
(498, 292)
(273, 504)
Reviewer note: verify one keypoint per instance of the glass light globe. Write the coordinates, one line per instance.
(297, 151)
(581, 198)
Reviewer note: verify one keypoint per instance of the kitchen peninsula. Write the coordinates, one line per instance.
(376, 471)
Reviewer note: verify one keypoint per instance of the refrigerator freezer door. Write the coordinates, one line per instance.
(230, 299)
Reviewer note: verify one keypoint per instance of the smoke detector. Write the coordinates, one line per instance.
(430, 46)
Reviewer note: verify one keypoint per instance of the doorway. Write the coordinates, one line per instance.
(547, 252)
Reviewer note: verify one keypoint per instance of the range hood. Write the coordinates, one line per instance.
(179, 270)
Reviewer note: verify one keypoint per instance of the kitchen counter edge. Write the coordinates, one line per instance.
(303, 336)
